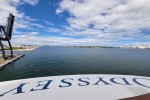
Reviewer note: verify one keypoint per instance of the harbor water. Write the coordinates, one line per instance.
(52, 61)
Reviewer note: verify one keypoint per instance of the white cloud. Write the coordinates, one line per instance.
(48, 23)
(33, 33)
(21, 20)
(53, 30)
(31, 2)
(98, 22)
(54, 41)
(109, 19)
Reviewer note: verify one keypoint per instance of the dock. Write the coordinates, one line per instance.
(3, 62)
(27, 49)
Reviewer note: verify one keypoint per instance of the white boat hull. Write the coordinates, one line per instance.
(75, 87)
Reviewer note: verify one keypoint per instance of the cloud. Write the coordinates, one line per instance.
(109, 19)
(48, 23)
(95, 22)
(33, 33)
(21, 20)
(53, 30)
(31, 2)
(55, 41)
(28, 38)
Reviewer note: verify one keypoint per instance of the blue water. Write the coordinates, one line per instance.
(51, 61)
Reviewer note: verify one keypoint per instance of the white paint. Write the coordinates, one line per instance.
(75, 92)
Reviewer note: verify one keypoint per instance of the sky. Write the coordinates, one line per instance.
(78, 22)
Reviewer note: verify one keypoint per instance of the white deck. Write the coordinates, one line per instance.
(76, 87)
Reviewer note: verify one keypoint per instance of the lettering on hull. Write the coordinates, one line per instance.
(41, 85)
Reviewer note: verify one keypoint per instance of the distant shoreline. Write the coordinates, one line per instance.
(32, 48)
(24, 49)
(94, 47)
(102, 47)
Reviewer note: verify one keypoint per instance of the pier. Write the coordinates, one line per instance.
(4, 62)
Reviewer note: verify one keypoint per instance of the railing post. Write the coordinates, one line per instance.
(11, 50)
(3, 50)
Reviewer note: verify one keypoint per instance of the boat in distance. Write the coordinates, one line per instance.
(77, 87)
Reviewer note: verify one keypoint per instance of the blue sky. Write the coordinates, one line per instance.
(79, 22)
